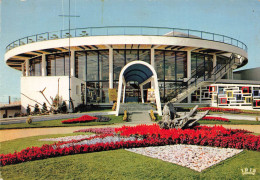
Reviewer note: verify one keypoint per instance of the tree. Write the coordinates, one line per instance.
(36, 109)
(63, 107)
(44, 108)
(28, 110)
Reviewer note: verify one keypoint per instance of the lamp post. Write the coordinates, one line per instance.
(69, 16)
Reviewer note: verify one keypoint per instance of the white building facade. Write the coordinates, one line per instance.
(81, 65)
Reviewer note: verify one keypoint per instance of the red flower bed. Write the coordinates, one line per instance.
(212, 118)
(82, 119)
(215, 109)
(217, 136)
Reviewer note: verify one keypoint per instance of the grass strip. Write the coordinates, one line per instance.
(57, 123)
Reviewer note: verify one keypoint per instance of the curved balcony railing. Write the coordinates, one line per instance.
(127, 30)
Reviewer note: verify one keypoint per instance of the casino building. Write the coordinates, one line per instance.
(141, 64)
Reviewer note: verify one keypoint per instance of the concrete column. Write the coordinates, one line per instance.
(214, 60)
(23, 69)
(111, 78)
(188, 64)
(142, 93)
(44, 71)
(123, 100)
(153, 64)
(189, 71)
(27, 67)
(72, 63)
(200, 94)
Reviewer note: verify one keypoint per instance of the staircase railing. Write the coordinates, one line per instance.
(213, 75)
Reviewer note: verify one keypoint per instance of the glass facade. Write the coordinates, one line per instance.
(201, 64)
(171, 68)
(124, 56)
(92, 66)
(57, 64)
(35, 67)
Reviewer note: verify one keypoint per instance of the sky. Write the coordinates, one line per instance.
(239, 19)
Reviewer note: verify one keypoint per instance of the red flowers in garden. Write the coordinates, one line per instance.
(216, 109)
(212, 118)
(82, 119)
(146, 135)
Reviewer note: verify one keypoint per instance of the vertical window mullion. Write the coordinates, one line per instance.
(175, 66)
(98, 65)
(64, 68)
(54, 59)
(86, 63)
(164, 76)
(125, 56)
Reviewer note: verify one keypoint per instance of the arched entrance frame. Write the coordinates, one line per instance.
(153, 78)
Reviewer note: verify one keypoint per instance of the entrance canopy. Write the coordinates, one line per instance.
(137, 72)
(143, 73)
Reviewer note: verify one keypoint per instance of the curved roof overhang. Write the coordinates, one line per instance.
(16, 56)
(137, 72)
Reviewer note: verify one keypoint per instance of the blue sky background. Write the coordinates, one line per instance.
(239, 19)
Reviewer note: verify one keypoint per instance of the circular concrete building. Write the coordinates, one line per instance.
(84, 64)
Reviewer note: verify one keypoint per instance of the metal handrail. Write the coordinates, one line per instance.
(195, 79)
(127, 30)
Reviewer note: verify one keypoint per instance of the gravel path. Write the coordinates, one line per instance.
(194, 157)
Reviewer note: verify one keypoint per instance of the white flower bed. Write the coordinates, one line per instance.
(194, 157)
(68, 138)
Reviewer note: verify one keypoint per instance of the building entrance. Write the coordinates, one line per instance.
(141, 73)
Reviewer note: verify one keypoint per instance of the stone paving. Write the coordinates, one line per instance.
(194, 157)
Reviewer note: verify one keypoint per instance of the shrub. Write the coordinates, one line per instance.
(36, 109)
(44, 108)
(28, 110)
(63, 107)
(29, 120)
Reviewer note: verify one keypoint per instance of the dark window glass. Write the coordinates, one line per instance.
(181, 65)
(51, 65)
(92, 66)
(131, 55)
(66, 64)
(170, 68)
(60, 66)
(145, 55)
(36, 67)
(119, 62)
(103, 65)
(159, 64)
(80, 65)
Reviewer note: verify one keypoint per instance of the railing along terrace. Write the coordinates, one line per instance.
(127, 30)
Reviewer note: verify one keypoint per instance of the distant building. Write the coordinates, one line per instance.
(178, 64)
(248, 74)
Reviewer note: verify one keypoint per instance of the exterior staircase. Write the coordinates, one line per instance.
(198, 80)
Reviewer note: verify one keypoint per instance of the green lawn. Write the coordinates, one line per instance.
(22, 143)
(120, 164)
(57, 123)
(117, 164)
